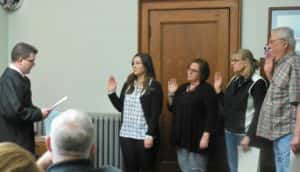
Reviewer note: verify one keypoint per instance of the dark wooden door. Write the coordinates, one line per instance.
(174, 33)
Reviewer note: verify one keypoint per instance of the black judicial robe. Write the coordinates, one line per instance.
(17, 113)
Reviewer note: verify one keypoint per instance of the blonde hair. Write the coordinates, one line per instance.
(13, 158)
(251, 62)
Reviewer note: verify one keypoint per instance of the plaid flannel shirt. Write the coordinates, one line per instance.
(278, 112)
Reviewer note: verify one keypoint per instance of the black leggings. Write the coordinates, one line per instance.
(136, 157)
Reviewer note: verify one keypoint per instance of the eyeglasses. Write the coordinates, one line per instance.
(192, 70)
(271, 41)
(30, 60)
(235, 60)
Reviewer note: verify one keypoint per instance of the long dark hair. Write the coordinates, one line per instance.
(149, 69)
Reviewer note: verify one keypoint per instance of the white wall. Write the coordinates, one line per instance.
(255, 22)
(3, 40)
(80, 44)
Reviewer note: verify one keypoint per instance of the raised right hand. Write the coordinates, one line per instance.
(218, 80)
(268, 66)
(172, 86)
(111, 84)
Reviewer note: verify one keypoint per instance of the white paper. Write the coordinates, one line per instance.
(295, 162)
(248, 160)
(59, 102)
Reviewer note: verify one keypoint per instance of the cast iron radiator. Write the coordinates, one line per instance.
(107, 128)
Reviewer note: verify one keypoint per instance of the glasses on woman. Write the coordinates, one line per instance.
(235, 60)
(192, 70)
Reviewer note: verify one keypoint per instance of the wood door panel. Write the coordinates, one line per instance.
(178, 51)
(175, 33)
(189, 34)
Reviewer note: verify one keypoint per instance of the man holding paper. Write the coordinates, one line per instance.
(17, 113)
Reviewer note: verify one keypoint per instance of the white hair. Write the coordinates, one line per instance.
(72, 134)
(286, 34)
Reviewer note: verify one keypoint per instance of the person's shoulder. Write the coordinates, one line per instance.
(7, 73)
(206, 86)
(260, 84)
(293, 59)
(155, 85)
(106, 169)
(257, 77)
(11, 75)
(294, 55)
(206, 89)
(292, 62)
(183, 86)
(232, 80)
(154, 82)
(296, 60)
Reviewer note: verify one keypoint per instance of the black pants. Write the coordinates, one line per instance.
(136, 157)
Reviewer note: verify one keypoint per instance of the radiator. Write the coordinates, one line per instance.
(107, 128)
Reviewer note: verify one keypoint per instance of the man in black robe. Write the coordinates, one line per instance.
(17, 113)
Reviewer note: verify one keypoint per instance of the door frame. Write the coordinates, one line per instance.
(145, 7)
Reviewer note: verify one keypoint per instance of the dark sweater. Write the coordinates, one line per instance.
(235, 101)
(193, 113)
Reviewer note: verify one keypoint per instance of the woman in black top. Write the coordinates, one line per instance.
(140, 104)
(240, 103)
(194, 107)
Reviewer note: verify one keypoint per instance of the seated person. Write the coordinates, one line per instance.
(69, 144)
(14, 158)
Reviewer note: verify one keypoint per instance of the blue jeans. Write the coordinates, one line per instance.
(282, 150)
(232, 141)
(190, 161)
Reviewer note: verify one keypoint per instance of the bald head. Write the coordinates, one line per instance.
(71, 134)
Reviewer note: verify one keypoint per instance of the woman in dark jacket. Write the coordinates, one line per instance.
(140, 103)
(240, 104)
(194, 107)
